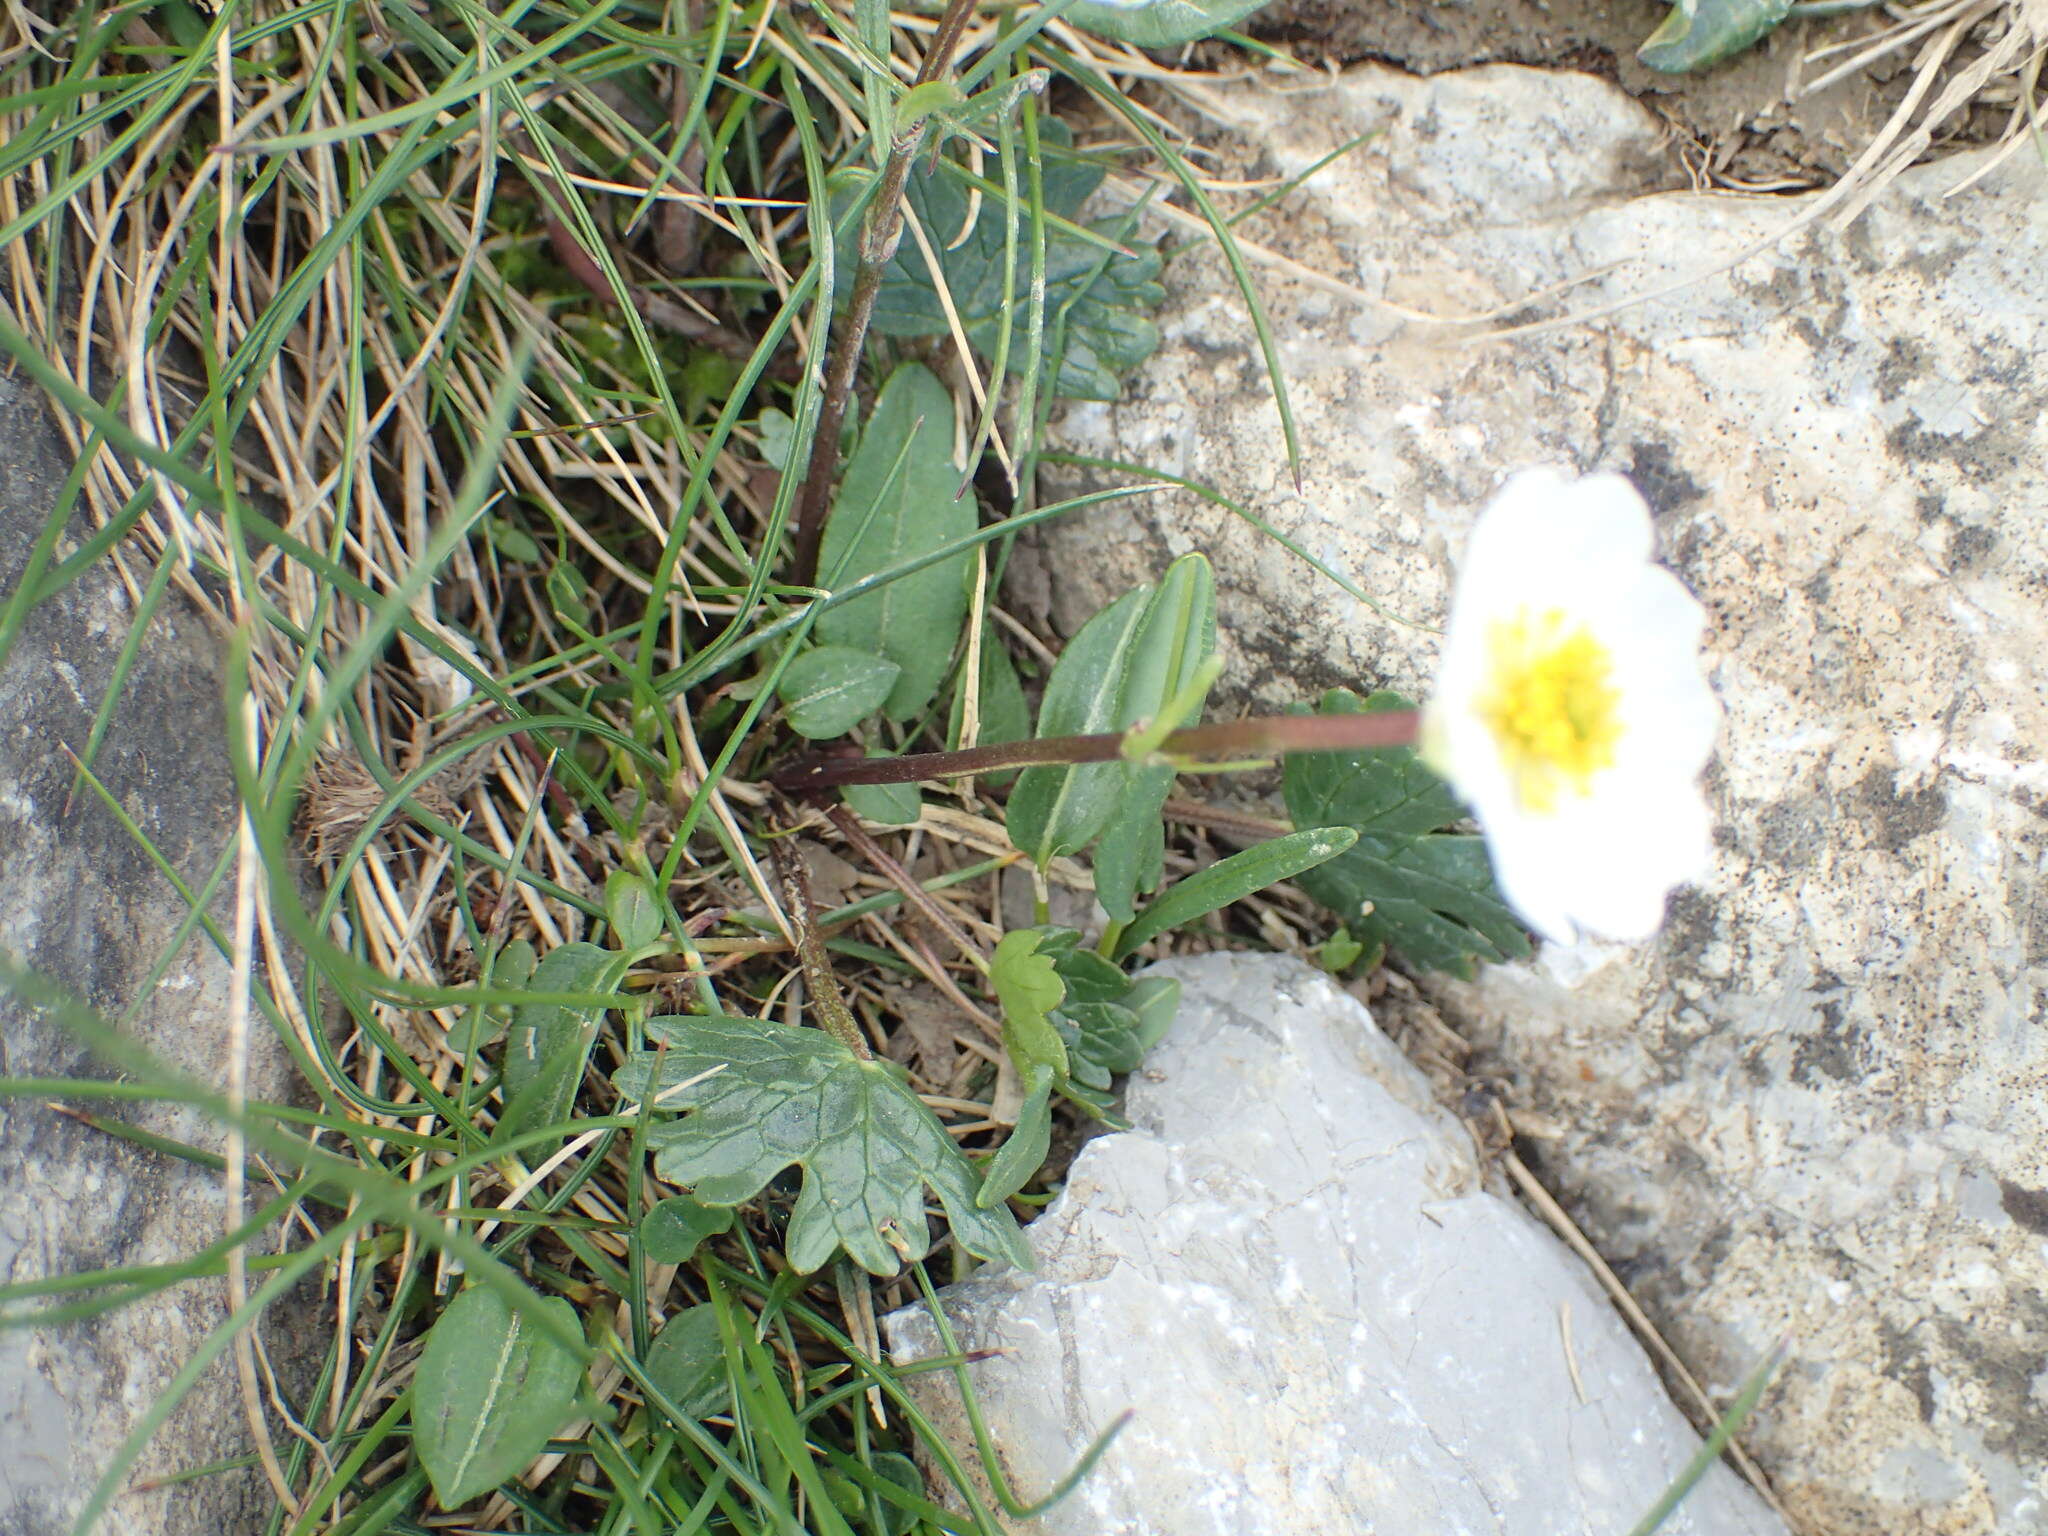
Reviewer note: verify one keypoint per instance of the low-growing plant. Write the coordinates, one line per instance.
(601, 429)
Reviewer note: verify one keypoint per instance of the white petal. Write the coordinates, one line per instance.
(1602, 866)
(1545, 530)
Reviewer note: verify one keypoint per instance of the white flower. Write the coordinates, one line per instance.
(1570, 712)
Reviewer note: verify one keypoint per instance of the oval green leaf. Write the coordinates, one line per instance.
(901, 498)
(548, 1044)
(630, 907)
(1055, 810)
(1155, 1000)
(1175, 636)
(828, 691)
(490, 1389)
(886, 805)
(1005, 712)
(1023, 1153)
(1701, 33)
(687, 1361)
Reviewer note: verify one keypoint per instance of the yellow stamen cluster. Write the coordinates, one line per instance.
(1551, 705)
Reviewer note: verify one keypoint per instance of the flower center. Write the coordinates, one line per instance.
(1551, 705)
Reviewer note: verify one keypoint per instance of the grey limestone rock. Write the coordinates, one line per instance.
(86, 908)
(1817, 1104)
(1293, 1272)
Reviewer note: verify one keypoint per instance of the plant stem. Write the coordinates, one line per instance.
(877, 248)
(1260, 736)
(827, 1000)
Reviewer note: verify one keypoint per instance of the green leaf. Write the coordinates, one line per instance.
(687, 1361)
(631, 909)
(901, 498)
(899, 1469)
(548, 1044)
(1432, 898)
(1131, 858)
(1233, 879)
(1101, 1041)
(568, 592)
(1023, 1151)
(989, 109)
(1054, 810)
(484, 1026)
(1175, 636)
(515, 964)
(1155, 1000)
(1339, 952)
(186, 24)
(1407, 884)
(777, 432)
(1384, 792)
(513, 542)
(1159, 23)
(773, 1096)
(921, 101)
(1087, 976)
(1097, 324)
(1029, 987)
(1701, 33)
(671, 1232)
(1105, 1021)
(830, 690)
(886, 805)
(489, 1391)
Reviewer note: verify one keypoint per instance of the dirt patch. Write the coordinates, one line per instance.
(1738, 124)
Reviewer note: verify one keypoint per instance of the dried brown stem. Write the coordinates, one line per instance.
(863, 842)
(829, 1002)
(877, 247)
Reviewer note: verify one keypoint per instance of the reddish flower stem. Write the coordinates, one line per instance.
(1261, 736)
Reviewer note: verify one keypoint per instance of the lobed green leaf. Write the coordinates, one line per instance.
(763, 1097)
(1407, 884)
(1028, 987)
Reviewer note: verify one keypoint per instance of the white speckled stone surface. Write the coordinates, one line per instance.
(1290, 1270)
(1820, 1102)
